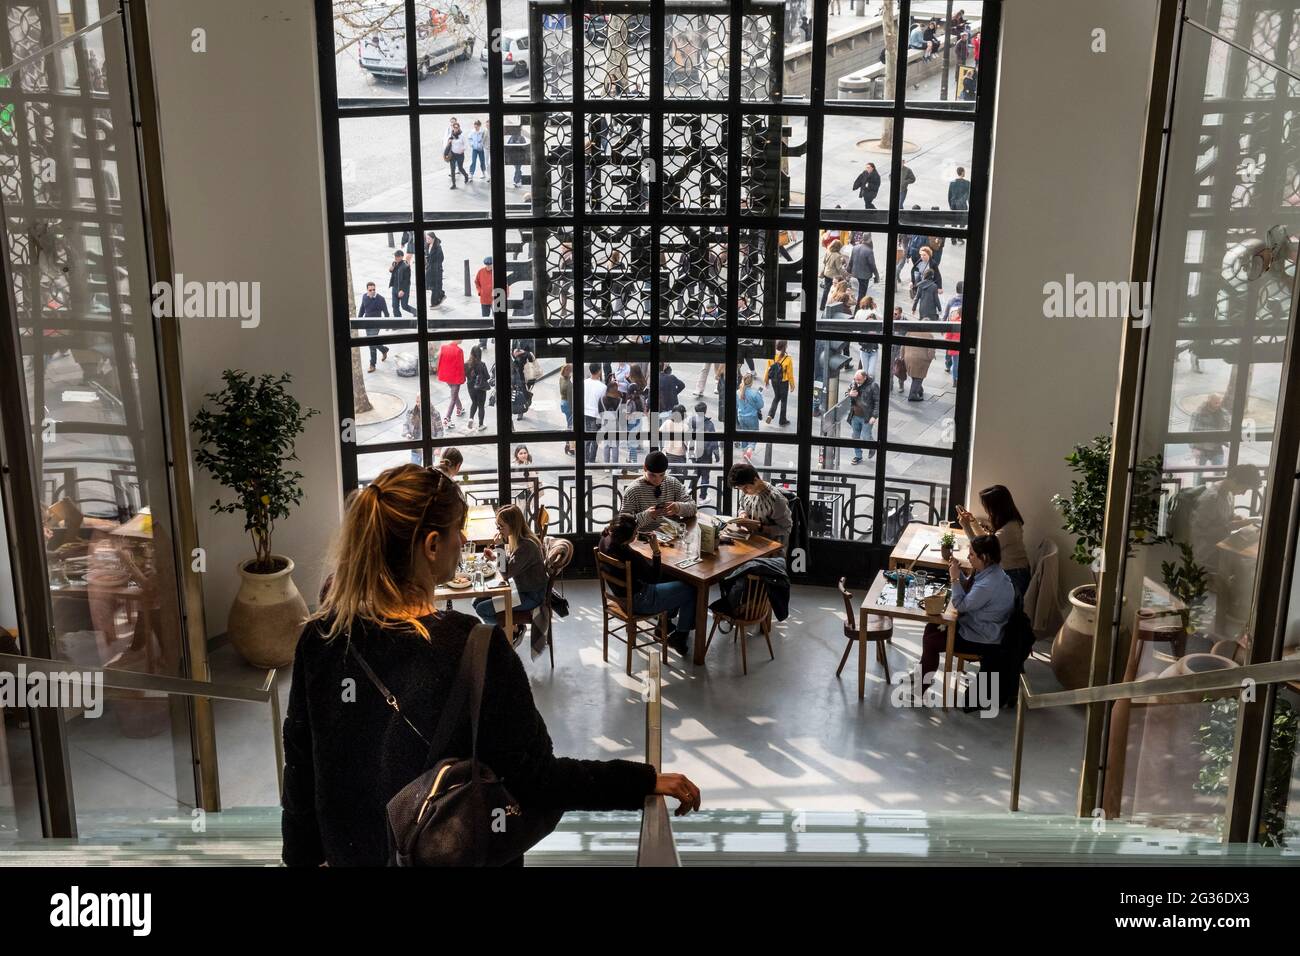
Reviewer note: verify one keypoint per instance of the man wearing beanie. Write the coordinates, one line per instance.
(656, 494)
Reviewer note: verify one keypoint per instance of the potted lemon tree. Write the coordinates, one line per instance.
(246, 434)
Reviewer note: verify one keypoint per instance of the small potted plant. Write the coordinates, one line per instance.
(946, 543)
(1084, 511)
(246, 434)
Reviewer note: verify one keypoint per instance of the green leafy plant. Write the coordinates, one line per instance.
(1084, 509)
(1216, 735)
(246, 435)
(1185, 579)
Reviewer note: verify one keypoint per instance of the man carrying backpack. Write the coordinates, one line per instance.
(704, 449)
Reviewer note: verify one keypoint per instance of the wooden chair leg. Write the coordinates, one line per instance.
(605, 652)
(847, 649)
(631, 645)
(663, 637)
(883, 658)
(744, 654)
(767, 636)
(550, 643)
(709, 642)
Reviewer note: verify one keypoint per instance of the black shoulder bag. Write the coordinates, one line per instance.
(458, 812)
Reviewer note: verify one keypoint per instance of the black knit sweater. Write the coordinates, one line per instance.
(347, 753)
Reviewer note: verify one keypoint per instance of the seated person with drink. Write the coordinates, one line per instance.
(649, 594)
(656, 495)
(983, 601)
(525, 566)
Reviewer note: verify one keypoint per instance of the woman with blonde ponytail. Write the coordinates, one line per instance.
(348, 752)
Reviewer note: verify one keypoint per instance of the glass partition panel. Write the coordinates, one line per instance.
(1218, 320)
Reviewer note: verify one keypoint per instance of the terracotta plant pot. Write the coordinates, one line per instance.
(267, 616)
(945, 551)
(1072, 647)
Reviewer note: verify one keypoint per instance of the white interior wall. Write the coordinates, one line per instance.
(1066, 154)
(244, 182)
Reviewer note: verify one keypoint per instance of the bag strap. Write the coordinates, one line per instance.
(471, 675)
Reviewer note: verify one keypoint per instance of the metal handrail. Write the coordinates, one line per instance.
(164, 685)
(656, 846)
(1228, 678)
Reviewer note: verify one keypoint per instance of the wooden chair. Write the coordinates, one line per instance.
(755, 611)
(880, 630)
(559, 553)
(616, 603)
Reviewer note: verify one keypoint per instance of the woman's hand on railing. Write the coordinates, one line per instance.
(678, 785)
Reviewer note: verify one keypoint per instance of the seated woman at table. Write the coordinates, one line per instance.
(650, 595)
(763, 509)
(983, 600)
(525, 566)
(1003, 520)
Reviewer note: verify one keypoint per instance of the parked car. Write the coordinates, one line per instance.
(514, 53)
(444, 38)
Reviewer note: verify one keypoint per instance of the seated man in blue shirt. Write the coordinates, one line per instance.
(984, 602)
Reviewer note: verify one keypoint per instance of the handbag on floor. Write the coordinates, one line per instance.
(458, 812)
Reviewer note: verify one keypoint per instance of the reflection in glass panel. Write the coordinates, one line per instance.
(696, 54)
(1205, 443)
(375, 168)
(616, 49)
(763, 40)
(553, 75)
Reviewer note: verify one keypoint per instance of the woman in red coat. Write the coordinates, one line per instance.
(451, 372)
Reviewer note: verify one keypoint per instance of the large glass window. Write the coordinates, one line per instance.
(659, 219)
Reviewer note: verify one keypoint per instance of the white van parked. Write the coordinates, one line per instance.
(444, 38)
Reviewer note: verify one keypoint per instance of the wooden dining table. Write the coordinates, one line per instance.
(917, 536)
(710, 569)
(872, 603)
(489, 589)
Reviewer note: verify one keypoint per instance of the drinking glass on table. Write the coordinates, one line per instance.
(922, 581)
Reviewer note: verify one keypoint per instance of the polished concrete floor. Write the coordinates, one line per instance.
(787, 736)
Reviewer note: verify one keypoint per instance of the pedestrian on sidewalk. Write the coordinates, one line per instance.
(454, 153)
(478, 150)
(451, 372)
(433, 258)
(867, 185)
(399, 281)
(372, 307)
(959, 195)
